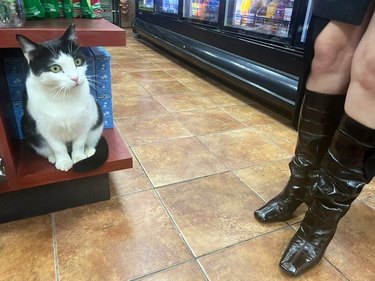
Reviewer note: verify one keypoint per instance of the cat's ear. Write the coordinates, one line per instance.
(70, 33)
(28, 47)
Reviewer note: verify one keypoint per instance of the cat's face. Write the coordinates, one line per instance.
(59, 63)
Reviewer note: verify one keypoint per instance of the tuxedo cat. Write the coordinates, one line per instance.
(62, 121)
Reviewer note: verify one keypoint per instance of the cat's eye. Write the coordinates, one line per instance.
(78, 61)
(55, 68)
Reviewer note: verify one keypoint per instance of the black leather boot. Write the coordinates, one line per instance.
(319, 117)
(340, 179)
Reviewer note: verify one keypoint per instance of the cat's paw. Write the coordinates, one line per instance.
(51, 159)
(90, 151)
(78, 157)
(64, 165)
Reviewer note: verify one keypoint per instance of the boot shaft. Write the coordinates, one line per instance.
(335, 186)
(319, 117)
(346, 161)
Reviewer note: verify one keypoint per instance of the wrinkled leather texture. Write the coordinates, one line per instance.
(336, 184)
(319, 117)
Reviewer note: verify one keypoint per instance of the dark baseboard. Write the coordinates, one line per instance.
(53, 197)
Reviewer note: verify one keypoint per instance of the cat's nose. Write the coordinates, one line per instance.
(75, 79)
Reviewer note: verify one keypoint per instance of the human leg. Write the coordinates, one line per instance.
(344, 170)
(334, 49)
(321, 111)
(360, 102)
(336, 185)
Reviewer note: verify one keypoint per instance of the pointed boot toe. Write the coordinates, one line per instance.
(299, 257)
(273, 211)
(288, 268)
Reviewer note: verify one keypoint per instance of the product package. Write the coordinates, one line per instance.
(34, 9)
(68, 8)
(51, 8)
(91, 9)
(96, 9)
(77, 11)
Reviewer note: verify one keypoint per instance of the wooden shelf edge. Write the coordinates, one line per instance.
(34, 170)
(90, 32)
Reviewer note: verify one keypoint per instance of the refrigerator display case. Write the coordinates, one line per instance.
(253, 45)
(146, 5)
(205, 11)
(264, 18)
(167, 7)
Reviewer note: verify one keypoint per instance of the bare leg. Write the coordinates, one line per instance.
(334, 49)
(360, 102)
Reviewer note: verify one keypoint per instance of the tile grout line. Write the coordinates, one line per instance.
(174, 223)
(160, 270)
(181, 235)
(55, 251)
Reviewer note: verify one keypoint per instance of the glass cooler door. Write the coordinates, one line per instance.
(265, 18)
(146, 5)
(205, 11)
(169, 7)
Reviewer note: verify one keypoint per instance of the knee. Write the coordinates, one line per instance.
(363, 68)
(332, 55)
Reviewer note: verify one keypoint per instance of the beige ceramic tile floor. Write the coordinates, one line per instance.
(205, 158)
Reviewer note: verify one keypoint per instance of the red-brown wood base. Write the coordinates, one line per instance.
(53, 197)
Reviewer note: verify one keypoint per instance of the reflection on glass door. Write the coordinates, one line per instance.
(203, 10)
(262, 16)
(167, 6)
(146, 5)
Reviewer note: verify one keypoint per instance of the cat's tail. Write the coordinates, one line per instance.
(94, 161)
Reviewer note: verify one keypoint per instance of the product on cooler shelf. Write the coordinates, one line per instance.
(264, 16)
(211, 9)
(245, 9)
(271, 9)
(279, 15)
(288, 11)
(168, 6)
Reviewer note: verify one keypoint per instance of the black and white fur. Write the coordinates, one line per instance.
(62, 120)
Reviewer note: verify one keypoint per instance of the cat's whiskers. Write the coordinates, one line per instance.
(70, 47)
(94, 78)
(60, 92)
(52, 50)
(76, 50)
(94, 83)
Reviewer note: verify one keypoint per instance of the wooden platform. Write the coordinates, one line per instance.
(91, 32)
(34, 186)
